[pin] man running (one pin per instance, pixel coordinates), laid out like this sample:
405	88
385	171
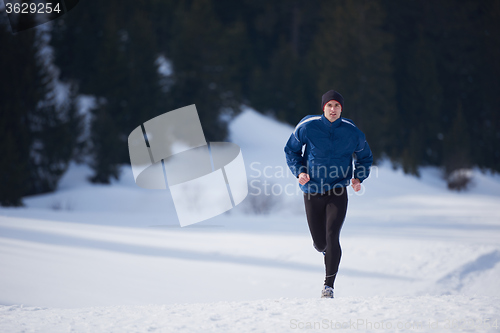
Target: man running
324	171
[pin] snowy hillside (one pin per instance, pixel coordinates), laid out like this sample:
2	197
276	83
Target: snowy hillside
92	258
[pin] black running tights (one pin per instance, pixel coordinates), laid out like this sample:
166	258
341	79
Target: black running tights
325	215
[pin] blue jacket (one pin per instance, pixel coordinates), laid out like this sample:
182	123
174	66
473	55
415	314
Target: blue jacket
329	151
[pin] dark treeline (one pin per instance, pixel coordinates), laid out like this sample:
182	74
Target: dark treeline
420	78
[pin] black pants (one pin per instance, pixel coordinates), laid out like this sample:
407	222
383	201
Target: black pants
325	215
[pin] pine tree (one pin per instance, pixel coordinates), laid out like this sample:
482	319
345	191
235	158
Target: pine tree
420	104
206	58
55	131
39	135
487	130
457	149
281	81
351	54
18	98
109	49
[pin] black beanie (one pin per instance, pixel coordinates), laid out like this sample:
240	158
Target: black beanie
329	95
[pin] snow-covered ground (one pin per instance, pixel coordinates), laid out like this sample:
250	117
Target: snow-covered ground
92	258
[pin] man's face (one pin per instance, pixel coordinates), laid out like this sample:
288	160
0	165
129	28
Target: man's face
332	110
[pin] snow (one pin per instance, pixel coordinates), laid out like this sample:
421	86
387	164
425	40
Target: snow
371	314
95	258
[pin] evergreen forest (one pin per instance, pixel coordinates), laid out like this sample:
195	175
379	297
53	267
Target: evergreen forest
420	78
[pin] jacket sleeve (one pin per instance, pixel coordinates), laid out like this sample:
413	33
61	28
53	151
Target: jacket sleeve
293	152
364	159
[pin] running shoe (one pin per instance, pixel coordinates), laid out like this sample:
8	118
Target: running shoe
327	292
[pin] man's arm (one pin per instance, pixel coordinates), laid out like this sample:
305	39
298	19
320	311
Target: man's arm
293	152
363	161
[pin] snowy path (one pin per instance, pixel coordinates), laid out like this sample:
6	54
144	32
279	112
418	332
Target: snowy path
92	258
368	314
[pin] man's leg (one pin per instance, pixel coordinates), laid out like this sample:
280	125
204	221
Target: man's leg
315	205
336	209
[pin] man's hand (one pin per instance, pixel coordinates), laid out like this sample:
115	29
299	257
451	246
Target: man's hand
304	178
356	184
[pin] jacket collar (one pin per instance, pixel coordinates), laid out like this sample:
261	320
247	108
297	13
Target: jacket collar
327	122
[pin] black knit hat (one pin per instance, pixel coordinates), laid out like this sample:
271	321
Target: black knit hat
332	95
